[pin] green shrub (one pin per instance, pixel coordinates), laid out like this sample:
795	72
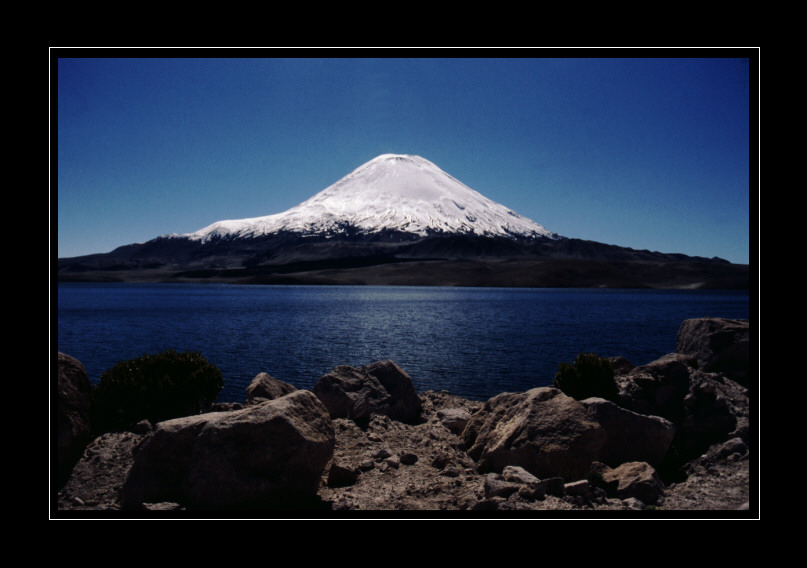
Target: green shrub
155	387
588	376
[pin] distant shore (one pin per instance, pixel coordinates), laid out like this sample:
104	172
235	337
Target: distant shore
516	273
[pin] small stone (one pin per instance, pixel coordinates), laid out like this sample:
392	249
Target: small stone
440	462
408	458
366	465
495	486
393	461
381	454
518	474
578	488
455	419
163	506
555	486
142	427
341	476
633	503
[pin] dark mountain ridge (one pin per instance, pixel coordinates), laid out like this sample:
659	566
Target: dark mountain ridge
390	257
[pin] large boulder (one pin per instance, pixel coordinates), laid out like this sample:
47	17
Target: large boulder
720	345
657	388
265	387
379	388
264	456
713	412
542	430
706	408
630	436
73	390
96	479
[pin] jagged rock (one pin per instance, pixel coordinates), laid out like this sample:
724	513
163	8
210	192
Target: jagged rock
555	486
630	436
542	430
72	414
265	387
520	475
341	476
96	479
734	448
580	488
634	504
720	345
408	458
657	388
496	486
266	455
706	408
142	427
455	419
530	487
637	480
621	365
708	417
379	388
225	406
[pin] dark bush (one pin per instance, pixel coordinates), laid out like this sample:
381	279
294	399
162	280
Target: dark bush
588	376
155	387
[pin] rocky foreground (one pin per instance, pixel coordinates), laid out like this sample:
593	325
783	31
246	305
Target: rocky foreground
678	441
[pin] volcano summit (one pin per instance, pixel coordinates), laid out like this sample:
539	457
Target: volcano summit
393	192
397	219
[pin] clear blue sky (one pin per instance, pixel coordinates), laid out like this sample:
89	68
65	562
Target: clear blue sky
647	153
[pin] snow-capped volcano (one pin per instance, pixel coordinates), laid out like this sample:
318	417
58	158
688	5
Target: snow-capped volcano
392	192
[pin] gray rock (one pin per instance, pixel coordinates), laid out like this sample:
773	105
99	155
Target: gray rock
714	410
542	430
621	365
266	455
530	487
520	475
342	476
142	427
455	419
408	458
630	436
496	486
73	390
720	346
379	388
706	408
392	461
101	471
657	388
555	486
580	488
634	504
265	387
637	480
382	454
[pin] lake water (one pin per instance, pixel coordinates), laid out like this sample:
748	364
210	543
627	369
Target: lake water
473	342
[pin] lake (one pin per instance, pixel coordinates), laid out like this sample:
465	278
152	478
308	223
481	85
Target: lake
473	342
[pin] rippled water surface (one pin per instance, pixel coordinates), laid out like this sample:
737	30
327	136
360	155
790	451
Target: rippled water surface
473	342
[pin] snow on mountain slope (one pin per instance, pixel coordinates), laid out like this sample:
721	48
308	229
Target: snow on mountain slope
390	192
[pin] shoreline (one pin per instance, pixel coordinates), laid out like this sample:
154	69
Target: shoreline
508	272
383	447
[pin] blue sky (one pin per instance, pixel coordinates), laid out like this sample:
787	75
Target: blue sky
649	153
